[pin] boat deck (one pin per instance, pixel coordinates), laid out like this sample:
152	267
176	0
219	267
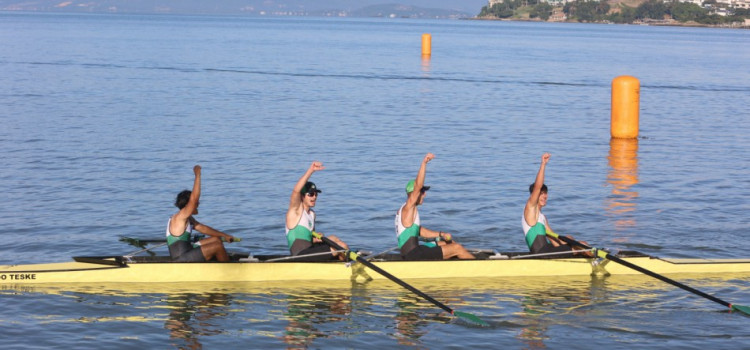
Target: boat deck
248	268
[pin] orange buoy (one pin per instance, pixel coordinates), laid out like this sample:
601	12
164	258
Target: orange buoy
626	95
426	44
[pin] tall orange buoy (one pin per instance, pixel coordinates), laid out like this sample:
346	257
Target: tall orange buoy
626	91
426	45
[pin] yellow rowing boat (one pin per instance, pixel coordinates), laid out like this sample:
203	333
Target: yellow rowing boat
245	268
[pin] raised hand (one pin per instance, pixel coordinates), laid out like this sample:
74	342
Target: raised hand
316	166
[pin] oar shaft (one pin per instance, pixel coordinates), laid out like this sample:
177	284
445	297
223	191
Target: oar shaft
665	279
355	256
603	254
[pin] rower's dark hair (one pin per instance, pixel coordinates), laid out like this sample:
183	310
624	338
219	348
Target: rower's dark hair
182	199
531	188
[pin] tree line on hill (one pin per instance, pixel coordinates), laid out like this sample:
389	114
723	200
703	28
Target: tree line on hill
602	11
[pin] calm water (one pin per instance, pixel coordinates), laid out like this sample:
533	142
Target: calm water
103	118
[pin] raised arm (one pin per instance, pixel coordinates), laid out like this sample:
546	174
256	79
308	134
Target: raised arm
419	181
407	213
294	211
531	210
195	196
296	196
179	220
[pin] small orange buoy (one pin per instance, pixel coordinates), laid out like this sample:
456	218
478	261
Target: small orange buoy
626	95
426	44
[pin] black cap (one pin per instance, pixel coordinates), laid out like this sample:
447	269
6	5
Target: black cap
309	187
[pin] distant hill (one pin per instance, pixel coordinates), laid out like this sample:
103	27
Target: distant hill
360	8
407	11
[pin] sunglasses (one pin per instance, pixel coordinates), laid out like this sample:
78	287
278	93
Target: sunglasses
312	194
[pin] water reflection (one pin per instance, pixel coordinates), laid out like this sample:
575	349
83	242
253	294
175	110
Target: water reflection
409	322
534	332
542	307
535	313
425	66
308	310
190	317
622	175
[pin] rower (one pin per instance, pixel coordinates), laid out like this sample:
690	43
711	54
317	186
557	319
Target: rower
181	225
535	224
300	221
409	229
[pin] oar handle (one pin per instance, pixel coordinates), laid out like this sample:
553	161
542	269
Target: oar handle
447	239
567	239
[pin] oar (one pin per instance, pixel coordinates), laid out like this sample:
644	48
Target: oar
354	256
138	242
142	243
605	255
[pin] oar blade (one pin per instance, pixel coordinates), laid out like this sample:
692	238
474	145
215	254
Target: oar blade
741	308
470	318
133	241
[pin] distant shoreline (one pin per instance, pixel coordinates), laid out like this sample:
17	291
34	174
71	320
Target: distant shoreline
650	23
670	24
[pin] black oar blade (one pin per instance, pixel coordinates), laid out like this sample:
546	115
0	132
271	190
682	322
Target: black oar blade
741	308
133	241
470	318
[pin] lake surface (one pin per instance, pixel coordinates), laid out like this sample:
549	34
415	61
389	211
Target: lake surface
104	116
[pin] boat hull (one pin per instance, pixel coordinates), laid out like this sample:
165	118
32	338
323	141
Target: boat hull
167	272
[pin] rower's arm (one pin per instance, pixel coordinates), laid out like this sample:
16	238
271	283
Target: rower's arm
531	210
427	233
407	213
179	220
419	181
195	195
411	200
552	237
208	230
294	211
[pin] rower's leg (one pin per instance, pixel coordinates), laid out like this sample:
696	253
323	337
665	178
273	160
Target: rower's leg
457	250
213	247
585	252
341	256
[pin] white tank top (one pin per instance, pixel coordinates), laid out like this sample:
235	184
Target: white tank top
526	227
307	219
399	226
188	228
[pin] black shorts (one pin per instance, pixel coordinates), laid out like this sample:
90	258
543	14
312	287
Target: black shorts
423	252
541	246
317	248
183	251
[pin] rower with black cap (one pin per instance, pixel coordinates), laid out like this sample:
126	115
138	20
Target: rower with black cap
409	229
534	222
300	221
